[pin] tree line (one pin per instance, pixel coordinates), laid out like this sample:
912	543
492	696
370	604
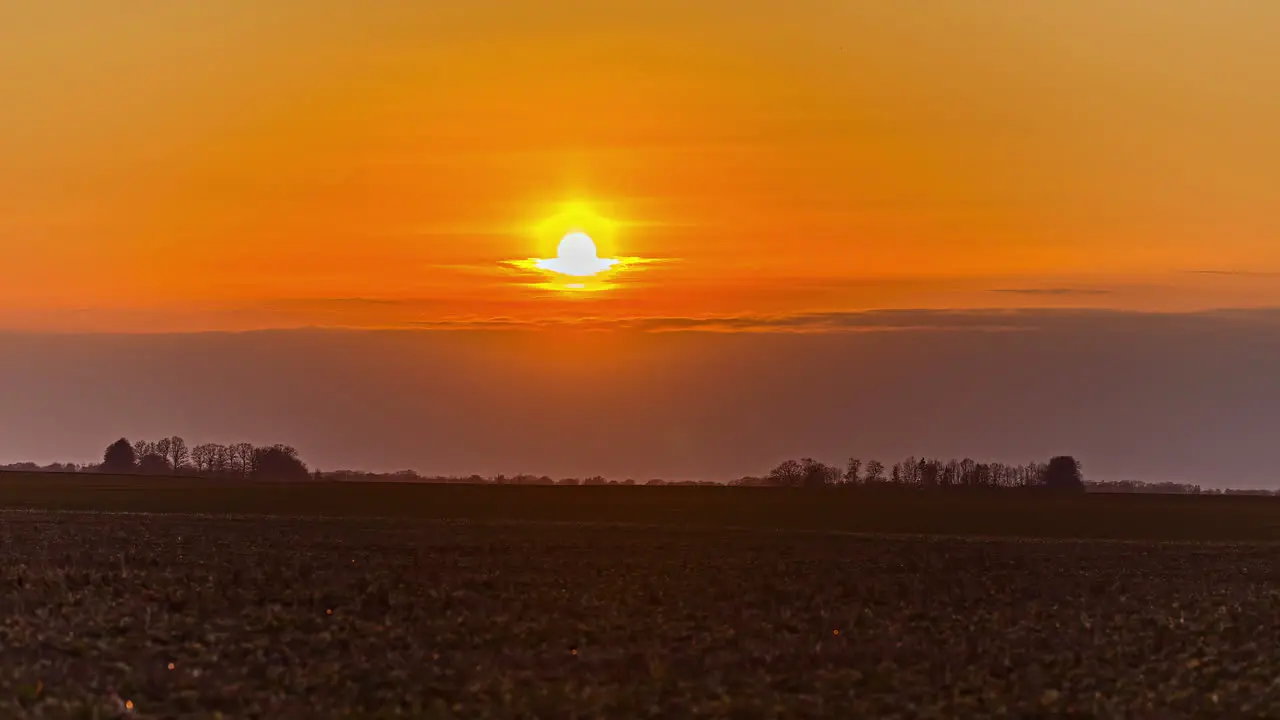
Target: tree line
1062	473
172	456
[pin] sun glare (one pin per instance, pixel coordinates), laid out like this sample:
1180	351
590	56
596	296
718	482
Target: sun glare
577	265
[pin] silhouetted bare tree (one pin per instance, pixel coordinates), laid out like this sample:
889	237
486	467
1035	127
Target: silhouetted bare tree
222	461
875	472
203	458
815	474
178	453
161	448
241	455
789	473
851	470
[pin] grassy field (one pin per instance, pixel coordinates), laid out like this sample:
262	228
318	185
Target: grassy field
1000	514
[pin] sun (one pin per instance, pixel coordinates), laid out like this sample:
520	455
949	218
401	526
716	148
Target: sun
577	256
581	236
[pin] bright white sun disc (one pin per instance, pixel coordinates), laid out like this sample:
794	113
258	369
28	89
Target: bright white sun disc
577	256
577	246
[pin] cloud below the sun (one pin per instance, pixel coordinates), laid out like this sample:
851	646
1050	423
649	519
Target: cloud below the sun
905	320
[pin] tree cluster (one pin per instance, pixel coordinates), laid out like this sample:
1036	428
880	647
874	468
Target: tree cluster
1062	473
172	456
1149	488
30	467
1139	487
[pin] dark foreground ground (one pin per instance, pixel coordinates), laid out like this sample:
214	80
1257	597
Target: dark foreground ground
1001	513
282	618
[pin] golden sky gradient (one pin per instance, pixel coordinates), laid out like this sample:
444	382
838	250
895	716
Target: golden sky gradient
243	164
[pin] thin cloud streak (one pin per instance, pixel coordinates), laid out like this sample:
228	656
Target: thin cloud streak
920	320
1053	291
1235	273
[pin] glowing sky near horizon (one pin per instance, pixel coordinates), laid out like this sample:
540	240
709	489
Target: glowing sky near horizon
238	164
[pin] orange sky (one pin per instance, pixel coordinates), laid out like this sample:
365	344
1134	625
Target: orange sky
242	164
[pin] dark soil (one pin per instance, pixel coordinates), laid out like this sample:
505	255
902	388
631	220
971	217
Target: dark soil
1007	513
186	616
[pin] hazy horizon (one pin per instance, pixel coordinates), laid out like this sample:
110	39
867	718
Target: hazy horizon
1189	397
